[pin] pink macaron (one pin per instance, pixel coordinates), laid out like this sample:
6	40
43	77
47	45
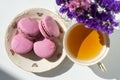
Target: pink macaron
48	27
20	44
44	48
28	26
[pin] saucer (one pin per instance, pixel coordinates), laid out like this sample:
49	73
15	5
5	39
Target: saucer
112	60
30	62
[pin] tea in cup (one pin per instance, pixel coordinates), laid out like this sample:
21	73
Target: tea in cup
85	46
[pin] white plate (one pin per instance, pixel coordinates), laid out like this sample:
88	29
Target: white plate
30	62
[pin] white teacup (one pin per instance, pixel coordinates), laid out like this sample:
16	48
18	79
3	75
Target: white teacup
68	45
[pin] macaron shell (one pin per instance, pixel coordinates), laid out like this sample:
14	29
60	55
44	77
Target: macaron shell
51	26
32	38
20	44
44	48
28	26
42	31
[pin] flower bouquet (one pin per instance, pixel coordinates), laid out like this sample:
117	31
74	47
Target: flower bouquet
95	14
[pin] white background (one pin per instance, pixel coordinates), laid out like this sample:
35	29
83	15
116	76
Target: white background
8	71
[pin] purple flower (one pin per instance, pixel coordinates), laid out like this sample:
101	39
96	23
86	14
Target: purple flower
111	16
96	26
92	23
116	7
59	2
104	16
110	5
79	5
94	6
87	12
94	11
106	28
63	9
71	14
110	31
72	5
82	18
89	23
113	23
85	4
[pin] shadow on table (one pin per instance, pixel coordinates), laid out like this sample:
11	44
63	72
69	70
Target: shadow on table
112	61
6	76
62	68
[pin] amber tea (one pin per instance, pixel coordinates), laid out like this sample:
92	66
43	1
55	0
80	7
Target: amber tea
84	43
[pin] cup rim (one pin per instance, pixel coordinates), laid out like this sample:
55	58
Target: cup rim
93	61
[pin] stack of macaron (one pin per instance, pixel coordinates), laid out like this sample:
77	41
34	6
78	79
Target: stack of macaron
36	35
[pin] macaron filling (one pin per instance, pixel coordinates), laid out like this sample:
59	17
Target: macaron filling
44	29
28	36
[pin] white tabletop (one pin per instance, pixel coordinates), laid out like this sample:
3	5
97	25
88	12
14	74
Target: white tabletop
67	70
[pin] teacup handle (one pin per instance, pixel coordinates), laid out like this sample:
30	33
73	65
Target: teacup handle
101	66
